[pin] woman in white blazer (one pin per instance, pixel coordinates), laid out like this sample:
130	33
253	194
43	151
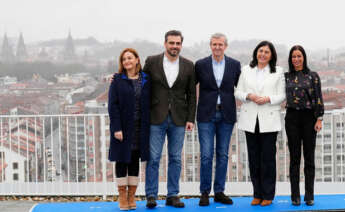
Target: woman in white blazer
261	88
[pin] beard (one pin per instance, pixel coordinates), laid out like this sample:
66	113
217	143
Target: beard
173	52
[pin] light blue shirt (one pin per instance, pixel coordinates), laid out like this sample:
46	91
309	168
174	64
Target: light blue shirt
218	72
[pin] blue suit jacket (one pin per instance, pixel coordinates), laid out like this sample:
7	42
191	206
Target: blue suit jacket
209	91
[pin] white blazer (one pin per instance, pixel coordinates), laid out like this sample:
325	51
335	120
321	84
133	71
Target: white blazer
269	113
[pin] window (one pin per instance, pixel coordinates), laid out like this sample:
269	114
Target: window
233	148
327	136
327	125
328	179
327	147
15	165
327	158
340	146
15	177
327	170
340	157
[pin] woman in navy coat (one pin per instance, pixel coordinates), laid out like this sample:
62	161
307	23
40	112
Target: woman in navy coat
129	113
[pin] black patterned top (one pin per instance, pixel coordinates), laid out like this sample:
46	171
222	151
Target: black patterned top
137	111
303	91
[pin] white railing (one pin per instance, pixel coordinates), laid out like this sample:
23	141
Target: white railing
67	155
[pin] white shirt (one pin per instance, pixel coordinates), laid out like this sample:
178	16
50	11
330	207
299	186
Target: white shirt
260	76
171	70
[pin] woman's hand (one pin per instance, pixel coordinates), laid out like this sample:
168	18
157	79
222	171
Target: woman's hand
252	97
118	135
262	100
318	125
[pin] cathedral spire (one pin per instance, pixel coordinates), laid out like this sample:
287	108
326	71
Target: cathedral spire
21	53
7	51
69	53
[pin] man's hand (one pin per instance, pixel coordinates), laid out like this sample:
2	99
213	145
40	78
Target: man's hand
189	126
118	135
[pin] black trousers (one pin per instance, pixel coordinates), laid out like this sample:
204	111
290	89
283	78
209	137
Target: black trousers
262	162
299	125
130	169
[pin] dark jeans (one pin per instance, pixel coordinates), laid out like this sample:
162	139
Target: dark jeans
299	125
218	128
132	168
262	162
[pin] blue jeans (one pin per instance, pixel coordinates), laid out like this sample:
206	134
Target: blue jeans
175	136
207	130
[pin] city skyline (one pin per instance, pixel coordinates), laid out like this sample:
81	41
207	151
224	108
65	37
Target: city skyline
314	26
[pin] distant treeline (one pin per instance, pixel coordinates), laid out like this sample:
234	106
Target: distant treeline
46	70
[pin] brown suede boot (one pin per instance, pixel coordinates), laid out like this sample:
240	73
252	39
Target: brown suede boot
123	203
132	188
131	197
123	193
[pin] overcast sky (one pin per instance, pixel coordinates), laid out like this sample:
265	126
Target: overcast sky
312	23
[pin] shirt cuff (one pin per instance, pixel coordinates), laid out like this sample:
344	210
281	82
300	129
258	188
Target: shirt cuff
273	100
245	97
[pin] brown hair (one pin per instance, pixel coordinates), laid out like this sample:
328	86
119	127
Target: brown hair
135	53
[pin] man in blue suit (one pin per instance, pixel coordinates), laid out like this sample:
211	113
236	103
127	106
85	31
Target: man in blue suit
217	76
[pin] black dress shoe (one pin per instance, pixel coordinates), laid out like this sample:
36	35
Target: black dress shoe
309	202
296	202
222	198
151	202
175	202
204	201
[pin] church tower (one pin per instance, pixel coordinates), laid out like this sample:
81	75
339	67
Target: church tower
69	52
21	53
7	55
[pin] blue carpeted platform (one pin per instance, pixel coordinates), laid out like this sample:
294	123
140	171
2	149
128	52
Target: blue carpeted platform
280	203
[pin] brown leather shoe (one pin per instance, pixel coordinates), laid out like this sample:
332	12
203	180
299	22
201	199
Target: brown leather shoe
266	202
256	201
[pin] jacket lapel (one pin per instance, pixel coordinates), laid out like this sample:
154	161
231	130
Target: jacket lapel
227	72
211	72
180	71
161	70
252	79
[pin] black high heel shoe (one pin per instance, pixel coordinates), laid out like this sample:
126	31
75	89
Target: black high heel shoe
309	202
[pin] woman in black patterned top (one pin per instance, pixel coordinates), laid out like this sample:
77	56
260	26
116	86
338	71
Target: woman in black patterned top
303	120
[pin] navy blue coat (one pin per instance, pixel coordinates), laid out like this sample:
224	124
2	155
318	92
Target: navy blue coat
209	91
121	106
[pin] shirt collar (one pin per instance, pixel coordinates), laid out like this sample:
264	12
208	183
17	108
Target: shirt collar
166	60
267	68
215	62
